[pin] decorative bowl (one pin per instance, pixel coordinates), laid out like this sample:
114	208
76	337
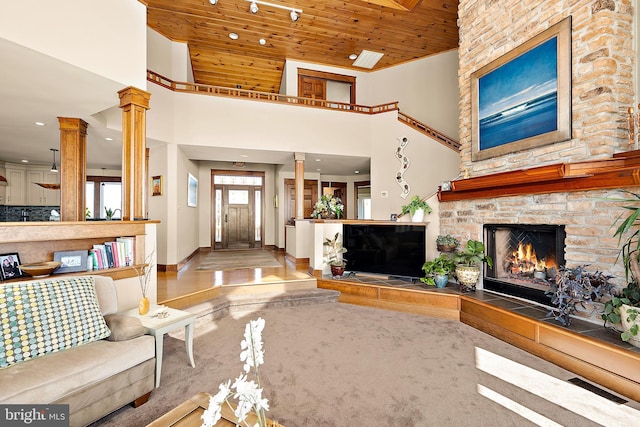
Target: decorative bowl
39	269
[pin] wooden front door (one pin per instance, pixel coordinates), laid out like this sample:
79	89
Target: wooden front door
237	205
237	221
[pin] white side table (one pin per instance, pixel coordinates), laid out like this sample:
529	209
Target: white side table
158	327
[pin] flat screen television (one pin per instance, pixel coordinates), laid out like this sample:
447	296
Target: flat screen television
394	250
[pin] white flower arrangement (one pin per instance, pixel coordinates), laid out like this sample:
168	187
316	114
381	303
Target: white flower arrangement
248	393
329	205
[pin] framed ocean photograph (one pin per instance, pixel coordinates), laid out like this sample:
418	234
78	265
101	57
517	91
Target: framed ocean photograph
522	100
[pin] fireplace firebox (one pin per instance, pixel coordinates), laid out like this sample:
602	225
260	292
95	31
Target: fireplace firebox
526	258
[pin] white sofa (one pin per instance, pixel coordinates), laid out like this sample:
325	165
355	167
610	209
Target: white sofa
93	378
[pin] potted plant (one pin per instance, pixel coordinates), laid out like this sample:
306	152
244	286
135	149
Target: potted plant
624	309
328	207
417	208
576	286
468	263
333	252
446	243
437	271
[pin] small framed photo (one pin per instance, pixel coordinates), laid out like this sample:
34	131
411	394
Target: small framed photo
156	185
9	269
71	261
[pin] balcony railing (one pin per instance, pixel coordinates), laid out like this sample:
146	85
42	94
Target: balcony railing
266	96
435	134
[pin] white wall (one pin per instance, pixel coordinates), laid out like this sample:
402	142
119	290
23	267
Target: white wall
430	164
107	38
427	90
168	58
188	231
159	207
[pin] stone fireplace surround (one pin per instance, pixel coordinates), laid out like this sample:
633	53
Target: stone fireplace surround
564	183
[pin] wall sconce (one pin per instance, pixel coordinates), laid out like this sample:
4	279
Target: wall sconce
632	124
54	167
275	201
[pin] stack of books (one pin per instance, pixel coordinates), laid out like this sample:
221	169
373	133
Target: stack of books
112	254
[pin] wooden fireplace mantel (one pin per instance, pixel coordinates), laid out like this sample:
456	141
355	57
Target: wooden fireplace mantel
623	170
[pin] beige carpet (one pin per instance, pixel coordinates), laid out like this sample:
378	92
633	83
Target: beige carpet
343	365
234	260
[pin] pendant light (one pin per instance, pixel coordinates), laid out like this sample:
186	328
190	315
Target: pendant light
54	168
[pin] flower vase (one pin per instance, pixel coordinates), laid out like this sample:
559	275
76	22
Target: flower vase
143	306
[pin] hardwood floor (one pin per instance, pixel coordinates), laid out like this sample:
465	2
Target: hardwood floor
190	286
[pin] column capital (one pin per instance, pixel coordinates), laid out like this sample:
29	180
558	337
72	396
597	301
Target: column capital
299	157
73	124
133	95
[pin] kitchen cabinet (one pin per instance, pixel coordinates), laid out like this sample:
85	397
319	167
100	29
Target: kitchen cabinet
15	191
39	196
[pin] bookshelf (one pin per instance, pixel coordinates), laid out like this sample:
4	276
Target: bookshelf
37	241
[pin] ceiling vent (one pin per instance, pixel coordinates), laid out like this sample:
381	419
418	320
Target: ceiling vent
367	59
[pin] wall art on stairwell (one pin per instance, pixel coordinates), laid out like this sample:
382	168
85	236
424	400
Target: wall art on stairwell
192	191
404	165
522	100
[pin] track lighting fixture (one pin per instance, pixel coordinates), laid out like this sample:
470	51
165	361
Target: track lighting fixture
213	2
294	16
294	13
54	168
253	8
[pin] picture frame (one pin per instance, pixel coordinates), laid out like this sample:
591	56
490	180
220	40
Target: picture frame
9	269
71	261
522	100
192	191
156	185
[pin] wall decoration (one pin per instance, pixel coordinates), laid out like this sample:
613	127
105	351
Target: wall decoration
71	261
9	266
156	185
192	191
522	100
404	165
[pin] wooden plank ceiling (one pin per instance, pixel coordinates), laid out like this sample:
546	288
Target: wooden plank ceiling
327	32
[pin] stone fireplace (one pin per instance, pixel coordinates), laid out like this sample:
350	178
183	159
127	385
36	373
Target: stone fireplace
557	192
525	257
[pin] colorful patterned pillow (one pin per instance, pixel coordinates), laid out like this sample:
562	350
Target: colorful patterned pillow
46	316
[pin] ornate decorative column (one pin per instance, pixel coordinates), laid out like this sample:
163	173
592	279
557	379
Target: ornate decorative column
134	103
73	168
299	180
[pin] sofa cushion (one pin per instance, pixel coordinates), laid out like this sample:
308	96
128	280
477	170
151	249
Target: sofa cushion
51	377
123	327
106	293
40	317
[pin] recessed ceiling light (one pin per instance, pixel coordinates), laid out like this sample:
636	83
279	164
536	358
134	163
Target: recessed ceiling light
353	56
233	36
318	160
318	169
263	42
109	139
24	161
244	156
39	124
356	171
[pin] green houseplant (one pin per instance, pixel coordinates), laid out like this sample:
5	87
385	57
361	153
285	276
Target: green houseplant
333	253
624	307
437	271
468	262
447	243
417	208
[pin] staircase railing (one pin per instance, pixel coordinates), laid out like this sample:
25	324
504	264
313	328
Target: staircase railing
266	96
429	131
